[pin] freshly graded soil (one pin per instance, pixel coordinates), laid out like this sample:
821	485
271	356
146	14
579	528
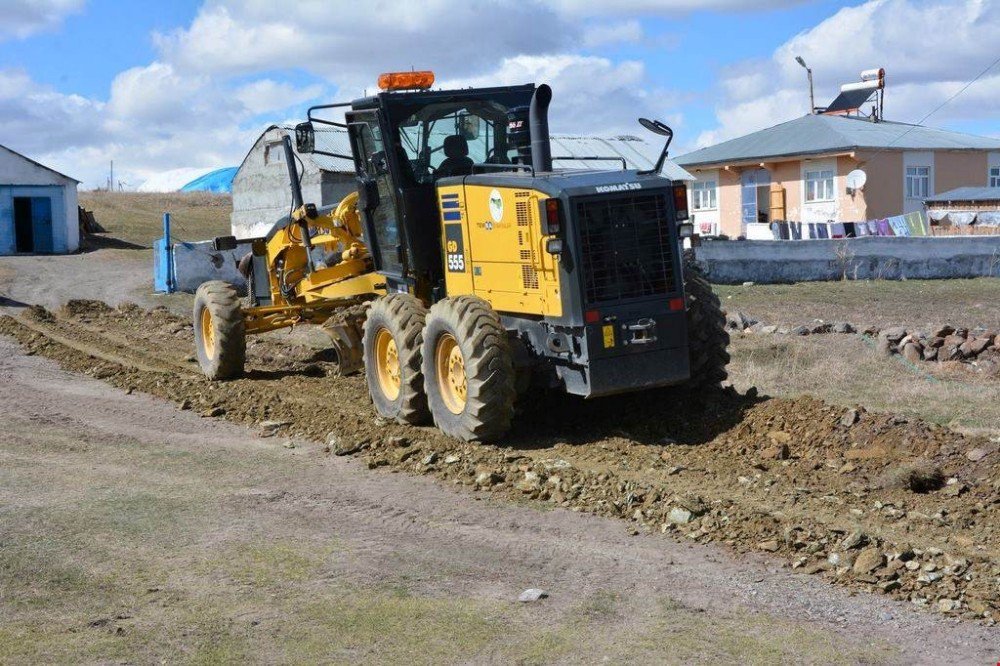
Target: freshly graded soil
872	501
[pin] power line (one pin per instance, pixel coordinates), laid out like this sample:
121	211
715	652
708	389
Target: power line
946	102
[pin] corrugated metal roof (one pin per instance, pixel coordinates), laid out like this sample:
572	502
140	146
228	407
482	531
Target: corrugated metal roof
968	194
638	153
818	134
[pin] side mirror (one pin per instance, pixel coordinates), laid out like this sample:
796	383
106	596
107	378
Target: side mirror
305	138
224	243
468	126
656	127
368	198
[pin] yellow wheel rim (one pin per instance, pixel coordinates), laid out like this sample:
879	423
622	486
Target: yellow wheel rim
387	364
450	366
207	333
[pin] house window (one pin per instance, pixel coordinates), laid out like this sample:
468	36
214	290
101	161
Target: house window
995	176
274	153
819	185
918	182
703	195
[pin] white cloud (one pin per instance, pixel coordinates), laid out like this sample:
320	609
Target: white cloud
21	18
921	72
664	7
351	42
590	94
268	95
155	119
610	33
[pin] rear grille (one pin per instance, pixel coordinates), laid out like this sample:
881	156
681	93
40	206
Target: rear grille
625	247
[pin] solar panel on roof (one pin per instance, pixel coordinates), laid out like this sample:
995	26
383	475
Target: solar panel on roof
849	100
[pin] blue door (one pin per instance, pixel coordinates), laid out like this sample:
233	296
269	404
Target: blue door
41	223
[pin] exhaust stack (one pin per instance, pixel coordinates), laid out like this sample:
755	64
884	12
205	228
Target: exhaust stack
538	122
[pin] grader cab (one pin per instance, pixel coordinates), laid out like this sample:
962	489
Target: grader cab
465	268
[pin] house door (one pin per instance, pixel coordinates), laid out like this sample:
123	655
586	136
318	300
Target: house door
33	224
754	185
24	237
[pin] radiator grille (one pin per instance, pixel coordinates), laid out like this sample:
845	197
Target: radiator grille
625	247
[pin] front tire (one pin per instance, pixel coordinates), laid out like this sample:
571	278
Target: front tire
468	369
707	336
392	339
219	332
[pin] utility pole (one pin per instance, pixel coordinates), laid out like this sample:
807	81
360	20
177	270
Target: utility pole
809	73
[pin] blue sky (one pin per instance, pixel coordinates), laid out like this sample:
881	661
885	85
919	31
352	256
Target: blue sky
187	83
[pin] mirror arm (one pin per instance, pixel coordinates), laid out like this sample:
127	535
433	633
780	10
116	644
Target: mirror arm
663	155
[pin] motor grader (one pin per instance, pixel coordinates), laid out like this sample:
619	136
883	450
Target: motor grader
465	268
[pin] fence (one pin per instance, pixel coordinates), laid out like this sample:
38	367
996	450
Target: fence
872	258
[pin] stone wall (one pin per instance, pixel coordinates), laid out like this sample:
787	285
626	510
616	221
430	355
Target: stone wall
771	262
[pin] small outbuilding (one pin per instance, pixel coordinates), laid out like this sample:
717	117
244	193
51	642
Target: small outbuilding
261	193
38	207
966	210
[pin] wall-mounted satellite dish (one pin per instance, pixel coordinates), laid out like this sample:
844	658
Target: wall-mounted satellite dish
856	179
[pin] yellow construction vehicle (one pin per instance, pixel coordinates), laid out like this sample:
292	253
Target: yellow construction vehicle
465	268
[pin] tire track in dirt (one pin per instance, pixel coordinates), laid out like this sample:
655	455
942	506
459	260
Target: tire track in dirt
872	501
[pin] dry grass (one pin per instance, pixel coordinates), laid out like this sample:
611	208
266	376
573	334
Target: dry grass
846	370
138	217
918	303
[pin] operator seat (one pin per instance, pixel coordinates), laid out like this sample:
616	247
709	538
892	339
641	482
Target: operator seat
457	161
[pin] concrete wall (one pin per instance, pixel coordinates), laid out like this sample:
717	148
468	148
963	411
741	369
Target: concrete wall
261	193
770	262
960	169
883	190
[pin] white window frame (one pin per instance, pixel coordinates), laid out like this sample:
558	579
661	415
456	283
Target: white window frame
705	195
917	185
824	182
993	176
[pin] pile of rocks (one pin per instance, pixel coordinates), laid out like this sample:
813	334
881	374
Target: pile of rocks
742	322
947	343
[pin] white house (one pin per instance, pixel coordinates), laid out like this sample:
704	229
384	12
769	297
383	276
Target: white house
38	207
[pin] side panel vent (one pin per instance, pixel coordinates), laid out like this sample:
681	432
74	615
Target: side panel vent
529	276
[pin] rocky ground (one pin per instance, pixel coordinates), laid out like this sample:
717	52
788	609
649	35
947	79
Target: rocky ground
870	501
976	349
134	532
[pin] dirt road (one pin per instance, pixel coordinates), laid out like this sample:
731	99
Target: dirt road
133	531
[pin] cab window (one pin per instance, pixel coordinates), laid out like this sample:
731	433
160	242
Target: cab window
442	140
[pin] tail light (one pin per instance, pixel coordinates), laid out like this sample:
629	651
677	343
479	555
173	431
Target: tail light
553	217
680	201
592	316
676	304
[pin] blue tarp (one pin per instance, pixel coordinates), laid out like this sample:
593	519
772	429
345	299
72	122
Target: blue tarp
220	181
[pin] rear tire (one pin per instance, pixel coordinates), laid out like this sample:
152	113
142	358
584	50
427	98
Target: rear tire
393	334
707	336
468	369
219	332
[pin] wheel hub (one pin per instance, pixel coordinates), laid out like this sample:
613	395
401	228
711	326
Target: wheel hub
207	333
452	381
387	364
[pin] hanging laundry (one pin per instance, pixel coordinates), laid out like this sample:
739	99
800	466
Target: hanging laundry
883	227
898	225
837	230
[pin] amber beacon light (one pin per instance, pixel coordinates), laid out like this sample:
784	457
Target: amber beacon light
406	80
